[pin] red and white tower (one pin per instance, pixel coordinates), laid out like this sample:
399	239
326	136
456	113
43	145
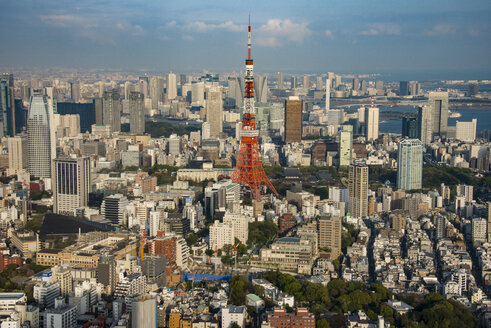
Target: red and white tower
249	170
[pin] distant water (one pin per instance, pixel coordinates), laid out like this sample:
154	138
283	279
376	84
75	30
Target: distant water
483	117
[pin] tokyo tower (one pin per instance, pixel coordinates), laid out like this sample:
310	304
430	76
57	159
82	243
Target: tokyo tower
249	170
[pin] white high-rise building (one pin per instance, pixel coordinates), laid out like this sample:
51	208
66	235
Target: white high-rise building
240	222
410	164
198	94
214	110
71	184
171	86
221	234
466	131
261	89
39	137
335	117
345	145
233	314
328	94
205	131
372	122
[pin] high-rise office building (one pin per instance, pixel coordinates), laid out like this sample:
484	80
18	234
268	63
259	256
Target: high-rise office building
319	83
293	82
293	119
372	123
156	89
99	112
280	80
335	117
358	190
328	94
112	110
473	89
356	84
410	128
7	105
144	313
137	113
425	124
261	89
306	82
17	147
171	86
410	164
71	185
345	145
330	234
404	88
214	110
39	137
198	94
438	102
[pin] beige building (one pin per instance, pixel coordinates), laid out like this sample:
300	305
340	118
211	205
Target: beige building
330	235
221	234
17	147
214	110
358	190
288	253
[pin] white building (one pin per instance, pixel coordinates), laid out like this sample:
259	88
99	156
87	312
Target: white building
479	232
231	314
410	164
240	222
221	234
466	131
372	123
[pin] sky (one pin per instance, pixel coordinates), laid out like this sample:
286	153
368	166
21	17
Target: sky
398	37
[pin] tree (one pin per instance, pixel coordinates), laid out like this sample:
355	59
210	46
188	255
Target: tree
227	249
242	249
209	252
322	323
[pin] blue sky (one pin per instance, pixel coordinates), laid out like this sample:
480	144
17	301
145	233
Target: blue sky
292	36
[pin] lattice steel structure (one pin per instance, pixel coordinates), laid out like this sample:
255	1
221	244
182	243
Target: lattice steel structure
249	170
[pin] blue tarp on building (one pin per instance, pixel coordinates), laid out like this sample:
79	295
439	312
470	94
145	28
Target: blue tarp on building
197	277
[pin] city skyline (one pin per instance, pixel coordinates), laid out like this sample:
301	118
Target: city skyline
356	37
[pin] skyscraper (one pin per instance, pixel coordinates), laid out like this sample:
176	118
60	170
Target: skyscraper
156	90
17	147
293	82
425	124
214	110
137	113
112	208
410	164
72	184
410	127
404	88
7	105
99	113
293	119
112	110
39	137
261	89
280	80
358	190
372	122
198	94
438	102
328	94
345	145
306	82
171	86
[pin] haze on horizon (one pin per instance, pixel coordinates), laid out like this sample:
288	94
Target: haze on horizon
316	36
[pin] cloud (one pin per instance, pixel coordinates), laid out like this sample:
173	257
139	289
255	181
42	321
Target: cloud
135	30
65	20
276	31
441	29
187	37
203	27
171	24
329	34
382	29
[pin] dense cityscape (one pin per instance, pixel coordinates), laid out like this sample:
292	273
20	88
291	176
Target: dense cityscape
243	199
